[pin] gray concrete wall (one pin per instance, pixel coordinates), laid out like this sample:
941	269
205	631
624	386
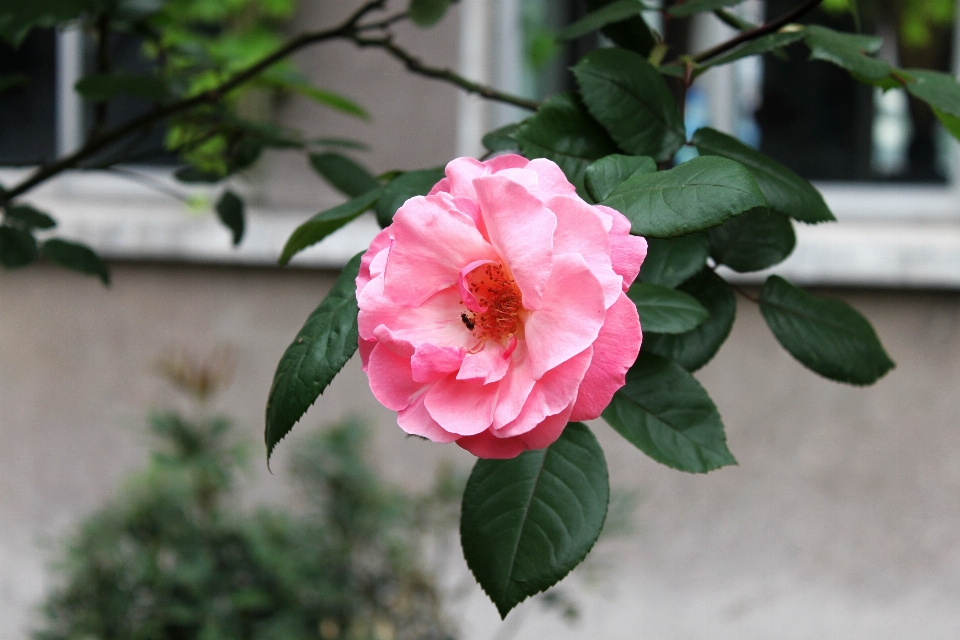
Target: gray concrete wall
842	520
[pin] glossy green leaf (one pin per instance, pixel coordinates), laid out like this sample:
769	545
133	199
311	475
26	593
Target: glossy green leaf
665	310
18	248
426	13
616	11
671	261
629	97
763	44
563	131
785	191
12	80
632	33
402	188
847	51
686	8
326	222
325	343
105	86
752	242
502	139
330	99
76	257
665	413
230	211
696	348
693	196
940	90
606	174
528	521
29	217
346	175
828	336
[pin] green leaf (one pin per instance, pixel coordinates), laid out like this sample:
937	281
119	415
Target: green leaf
949	122
633	33
606	174
846	50
693	196
230	212
195	175
752	242
665	413
671	261
343	143
17	18
402	188
563	131
664	310
940	90
426	13
330	99
502	139
785	191
528	521
696	348
828	336
105	86
346	175
326	222
687	8
763	44
18	248
76	257
29	217
325	343
629	97
12	80
616	11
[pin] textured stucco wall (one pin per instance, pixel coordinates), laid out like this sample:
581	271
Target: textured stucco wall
842	520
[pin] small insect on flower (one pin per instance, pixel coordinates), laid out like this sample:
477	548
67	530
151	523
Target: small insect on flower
467	321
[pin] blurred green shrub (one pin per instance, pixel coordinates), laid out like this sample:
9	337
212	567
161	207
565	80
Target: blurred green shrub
174	557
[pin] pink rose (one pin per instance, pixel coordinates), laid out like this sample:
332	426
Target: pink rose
493	312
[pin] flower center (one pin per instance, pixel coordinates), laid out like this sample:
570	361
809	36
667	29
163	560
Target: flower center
494	289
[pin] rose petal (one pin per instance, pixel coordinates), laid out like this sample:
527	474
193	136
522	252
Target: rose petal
486	445
551	394
614	352
437	321
464	407
391	379
506	161
466	296
460	174
489	364
416	420
570	317
580	230
430	363
521	229
627	252
377	246
547	432
552	180
433	241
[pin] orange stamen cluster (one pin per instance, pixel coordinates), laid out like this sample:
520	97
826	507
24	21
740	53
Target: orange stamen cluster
496	291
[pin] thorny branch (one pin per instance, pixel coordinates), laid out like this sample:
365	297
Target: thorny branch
351	29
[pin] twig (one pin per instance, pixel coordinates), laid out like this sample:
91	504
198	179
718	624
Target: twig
103	66
752	298
414	65
150	182
762	30
350	30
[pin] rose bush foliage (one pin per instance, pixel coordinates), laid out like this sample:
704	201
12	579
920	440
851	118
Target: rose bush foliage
493	311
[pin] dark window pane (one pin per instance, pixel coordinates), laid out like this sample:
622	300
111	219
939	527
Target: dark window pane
824	125
27	115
